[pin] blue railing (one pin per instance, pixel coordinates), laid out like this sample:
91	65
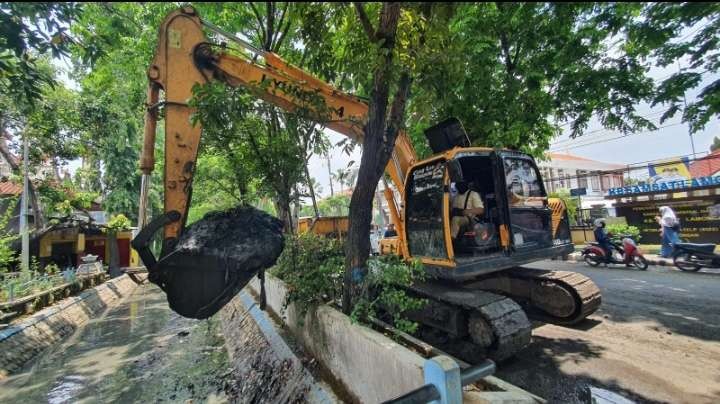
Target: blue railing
444	381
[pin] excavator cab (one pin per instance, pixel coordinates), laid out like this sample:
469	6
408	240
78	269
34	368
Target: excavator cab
518	223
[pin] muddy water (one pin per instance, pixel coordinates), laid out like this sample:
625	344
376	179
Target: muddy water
139	351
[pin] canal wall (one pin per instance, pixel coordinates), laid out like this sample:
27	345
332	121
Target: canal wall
26	338
265	369
365	365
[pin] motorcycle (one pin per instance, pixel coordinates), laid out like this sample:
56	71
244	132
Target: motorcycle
628	253
691	257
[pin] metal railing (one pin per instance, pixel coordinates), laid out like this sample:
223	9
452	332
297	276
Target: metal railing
444	381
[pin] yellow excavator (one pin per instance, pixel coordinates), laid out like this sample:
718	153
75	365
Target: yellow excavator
479	296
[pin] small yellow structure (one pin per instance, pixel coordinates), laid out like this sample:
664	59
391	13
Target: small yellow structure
330	226
65	246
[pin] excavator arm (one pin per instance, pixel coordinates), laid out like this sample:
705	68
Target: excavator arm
183	58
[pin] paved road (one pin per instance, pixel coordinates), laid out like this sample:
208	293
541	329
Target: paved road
139	351
656	338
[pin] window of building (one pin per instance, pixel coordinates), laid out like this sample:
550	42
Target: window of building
605	183
582	178
561	177
595	182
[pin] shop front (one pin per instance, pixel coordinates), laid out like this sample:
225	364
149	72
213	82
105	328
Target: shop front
690	189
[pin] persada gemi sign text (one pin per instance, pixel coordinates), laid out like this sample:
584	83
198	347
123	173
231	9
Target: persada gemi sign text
665	186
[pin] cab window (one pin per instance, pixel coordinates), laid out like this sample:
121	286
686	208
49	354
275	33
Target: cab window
523	184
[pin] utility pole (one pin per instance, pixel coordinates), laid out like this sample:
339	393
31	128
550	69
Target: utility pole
692	142
332	193
24	234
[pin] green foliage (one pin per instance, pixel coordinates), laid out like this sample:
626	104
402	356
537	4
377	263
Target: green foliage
63	199
337	205
385	294
312	268
571	202
29	30
7	235
659	35
265	149
620	231
118	223
510	70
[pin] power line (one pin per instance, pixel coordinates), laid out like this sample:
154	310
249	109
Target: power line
603	129
614	138
628	169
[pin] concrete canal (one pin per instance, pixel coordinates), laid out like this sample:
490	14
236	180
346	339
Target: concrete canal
138	351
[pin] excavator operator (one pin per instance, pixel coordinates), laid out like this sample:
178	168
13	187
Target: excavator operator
466	207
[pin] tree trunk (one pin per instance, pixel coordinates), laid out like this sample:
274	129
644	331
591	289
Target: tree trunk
282	206
380	133
114	259
330	175
311	187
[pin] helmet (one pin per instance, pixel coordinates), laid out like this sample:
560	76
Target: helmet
599	222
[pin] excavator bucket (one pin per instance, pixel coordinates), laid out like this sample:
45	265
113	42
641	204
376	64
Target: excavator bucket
213	259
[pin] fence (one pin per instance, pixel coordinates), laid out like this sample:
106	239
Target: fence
444	381
16	285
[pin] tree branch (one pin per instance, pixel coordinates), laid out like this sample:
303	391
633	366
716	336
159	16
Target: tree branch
396	116
270	11
281	32
284	34
365	21
261	25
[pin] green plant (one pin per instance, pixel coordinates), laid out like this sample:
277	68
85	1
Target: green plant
52	269
7	236
118	223
619	231
312	267
385	295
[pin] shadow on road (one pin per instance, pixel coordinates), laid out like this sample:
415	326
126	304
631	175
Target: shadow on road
539	369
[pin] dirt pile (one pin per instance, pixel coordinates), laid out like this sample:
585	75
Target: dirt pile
217	256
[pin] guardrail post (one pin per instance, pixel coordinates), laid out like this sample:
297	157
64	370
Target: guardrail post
444	373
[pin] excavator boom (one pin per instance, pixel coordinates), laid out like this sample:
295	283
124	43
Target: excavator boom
184	58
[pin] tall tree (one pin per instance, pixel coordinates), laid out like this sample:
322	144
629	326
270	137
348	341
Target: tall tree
380	133
516	74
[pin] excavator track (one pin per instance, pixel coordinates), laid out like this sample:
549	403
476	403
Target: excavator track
471	324
558	297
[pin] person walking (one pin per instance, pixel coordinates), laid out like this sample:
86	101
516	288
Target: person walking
669	228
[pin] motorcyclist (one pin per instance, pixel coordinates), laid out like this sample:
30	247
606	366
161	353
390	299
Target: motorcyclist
602	238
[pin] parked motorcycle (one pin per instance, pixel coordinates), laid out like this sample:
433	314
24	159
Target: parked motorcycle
691	257
628	253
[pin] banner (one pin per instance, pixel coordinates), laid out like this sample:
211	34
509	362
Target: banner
699	218
668	171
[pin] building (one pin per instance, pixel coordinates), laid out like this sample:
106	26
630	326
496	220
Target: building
567	171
